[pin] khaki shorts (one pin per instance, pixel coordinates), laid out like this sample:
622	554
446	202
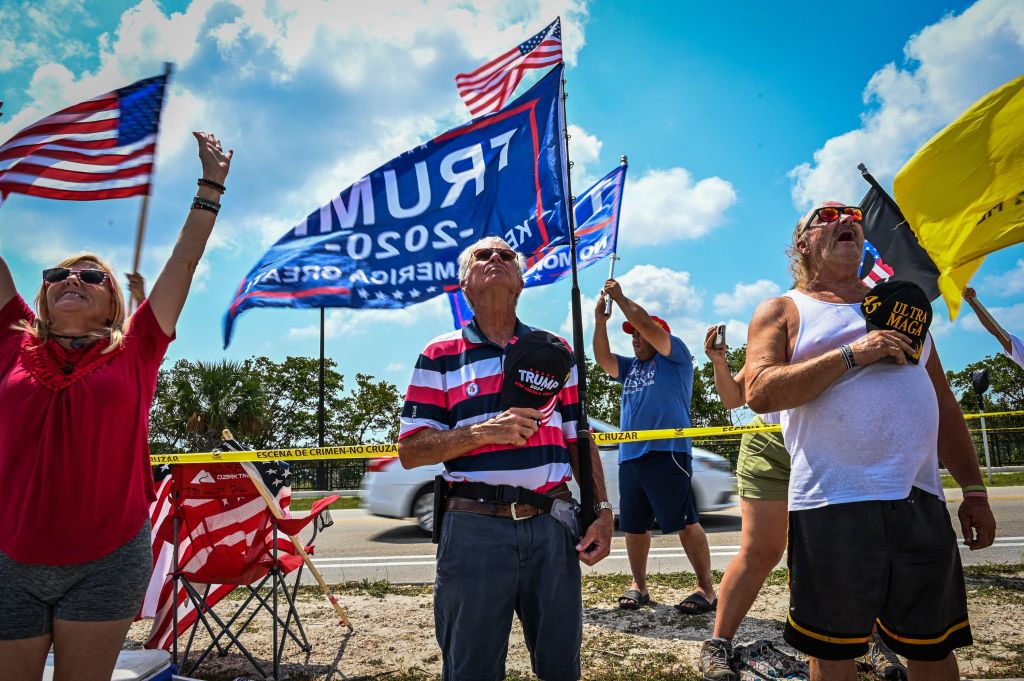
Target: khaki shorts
762	470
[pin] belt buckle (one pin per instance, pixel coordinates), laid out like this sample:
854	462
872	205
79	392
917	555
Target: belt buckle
512	510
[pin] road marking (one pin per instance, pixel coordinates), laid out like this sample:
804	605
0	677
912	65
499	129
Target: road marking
616	554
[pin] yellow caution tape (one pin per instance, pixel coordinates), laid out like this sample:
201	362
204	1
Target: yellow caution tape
391	450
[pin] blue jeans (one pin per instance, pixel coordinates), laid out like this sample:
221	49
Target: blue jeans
489	568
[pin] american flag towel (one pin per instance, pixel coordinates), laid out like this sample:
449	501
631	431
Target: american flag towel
102	148
487	89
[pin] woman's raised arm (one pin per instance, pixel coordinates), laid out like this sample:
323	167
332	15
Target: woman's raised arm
171	288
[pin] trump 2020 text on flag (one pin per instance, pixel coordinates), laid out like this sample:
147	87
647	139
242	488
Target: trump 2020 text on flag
102	148
597	228
963	191
392	239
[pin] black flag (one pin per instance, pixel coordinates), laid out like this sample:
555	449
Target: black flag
890	244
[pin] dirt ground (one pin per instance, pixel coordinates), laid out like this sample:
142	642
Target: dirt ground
394	632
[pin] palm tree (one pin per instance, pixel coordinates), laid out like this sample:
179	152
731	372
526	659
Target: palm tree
211	396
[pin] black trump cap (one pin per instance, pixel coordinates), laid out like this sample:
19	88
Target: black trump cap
899	306
537	367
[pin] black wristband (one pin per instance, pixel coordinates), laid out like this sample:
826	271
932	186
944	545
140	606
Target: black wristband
203	182
205	204
847	353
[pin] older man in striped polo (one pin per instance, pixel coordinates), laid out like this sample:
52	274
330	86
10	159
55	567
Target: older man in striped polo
496	557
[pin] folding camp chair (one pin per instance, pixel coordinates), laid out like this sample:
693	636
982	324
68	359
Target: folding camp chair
231	537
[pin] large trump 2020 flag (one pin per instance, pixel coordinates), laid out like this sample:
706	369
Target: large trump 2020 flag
392	239
597	230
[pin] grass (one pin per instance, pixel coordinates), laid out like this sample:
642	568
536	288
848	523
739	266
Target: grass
998	480
306	503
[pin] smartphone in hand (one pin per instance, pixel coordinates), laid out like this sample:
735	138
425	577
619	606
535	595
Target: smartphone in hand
719	341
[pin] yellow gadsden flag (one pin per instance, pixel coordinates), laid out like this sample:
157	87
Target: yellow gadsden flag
963	191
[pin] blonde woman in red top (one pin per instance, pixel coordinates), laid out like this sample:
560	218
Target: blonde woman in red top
77	378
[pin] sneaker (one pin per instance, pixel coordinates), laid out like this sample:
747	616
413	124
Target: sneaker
762	660
884	661
715	661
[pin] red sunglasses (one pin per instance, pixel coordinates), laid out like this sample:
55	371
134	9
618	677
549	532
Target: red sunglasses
827	214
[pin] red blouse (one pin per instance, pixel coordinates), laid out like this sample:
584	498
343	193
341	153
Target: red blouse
75	479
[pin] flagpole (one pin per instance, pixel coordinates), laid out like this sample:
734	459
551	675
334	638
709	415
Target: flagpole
140	230
615	251
320	412
586	470
869	178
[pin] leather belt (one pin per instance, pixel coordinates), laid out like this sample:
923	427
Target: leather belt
497	510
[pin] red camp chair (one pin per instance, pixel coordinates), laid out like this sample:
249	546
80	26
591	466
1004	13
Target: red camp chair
224	533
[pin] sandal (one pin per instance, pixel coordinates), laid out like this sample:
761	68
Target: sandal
696	604
633	599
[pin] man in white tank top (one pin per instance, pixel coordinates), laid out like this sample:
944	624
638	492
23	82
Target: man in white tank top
870	538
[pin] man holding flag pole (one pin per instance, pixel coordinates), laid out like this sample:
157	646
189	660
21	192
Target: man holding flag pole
503	407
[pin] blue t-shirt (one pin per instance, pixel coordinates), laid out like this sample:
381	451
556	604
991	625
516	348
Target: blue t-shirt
656	394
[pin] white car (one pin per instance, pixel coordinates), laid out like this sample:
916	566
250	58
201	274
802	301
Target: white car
388	489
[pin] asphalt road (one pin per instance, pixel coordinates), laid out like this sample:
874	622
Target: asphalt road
362	546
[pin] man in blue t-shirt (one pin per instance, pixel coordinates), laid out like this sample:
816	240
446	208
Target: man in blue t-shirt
654	475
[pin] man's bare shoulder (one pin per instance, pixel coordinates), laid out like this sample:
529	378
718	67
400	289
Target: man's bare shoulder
773	310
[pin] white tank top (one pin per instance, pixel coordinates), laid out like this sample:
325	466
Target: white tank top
871	435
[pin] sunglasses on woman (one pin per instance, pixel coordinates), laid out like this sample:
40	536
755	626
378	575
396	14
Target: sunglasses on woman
827	214
484	254
55	275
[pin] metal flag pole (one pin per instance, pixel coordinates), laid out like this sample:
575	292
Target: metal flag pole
586	470
611	266
320	412
140	229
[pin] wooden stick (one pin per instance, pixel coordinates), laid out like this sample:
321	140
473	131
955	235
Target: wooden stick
140	232
257	481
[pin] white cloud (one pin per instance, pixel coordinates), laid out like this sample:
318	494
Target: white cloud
1010	318
745	296
584	150
395	367
345	323
666	205
1008	283
663	292
949	65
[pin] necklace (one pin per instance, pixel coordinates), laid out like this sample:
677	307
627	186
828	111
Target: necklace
77	342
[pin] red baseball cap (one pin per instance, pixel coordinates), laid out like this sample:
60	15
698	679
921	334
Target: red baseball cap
628	328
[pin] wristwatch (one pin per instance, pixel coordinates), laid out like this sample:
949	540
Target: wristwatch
598	507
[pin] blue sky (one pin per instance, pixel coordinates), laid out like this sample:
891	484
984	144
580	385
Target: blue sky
735	117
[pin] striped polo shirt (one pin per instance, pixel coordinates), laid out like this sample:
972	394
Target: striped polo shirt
457	382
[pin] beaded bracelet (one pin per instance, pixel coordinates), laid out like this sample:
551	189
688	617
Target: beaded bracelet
204	204
203	182
847	352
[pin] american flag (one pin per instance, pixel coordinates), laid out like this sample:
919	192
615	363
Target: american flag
879	271
488	88
227	520
99	149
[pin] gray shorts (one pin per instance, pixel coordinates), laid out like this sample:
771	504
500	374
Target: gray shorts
102	590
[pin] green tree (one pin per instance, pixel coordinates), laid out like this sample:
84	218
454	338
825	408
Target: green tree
604	396
1007	380
271	405
195	401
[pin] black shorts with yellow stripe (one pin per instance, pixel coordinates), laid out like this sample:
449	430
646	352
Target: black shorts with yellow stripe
892	562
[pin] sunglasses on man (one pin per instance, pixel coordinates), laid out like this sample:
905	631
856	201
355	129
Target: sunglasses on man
827	214
484	254
56	275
